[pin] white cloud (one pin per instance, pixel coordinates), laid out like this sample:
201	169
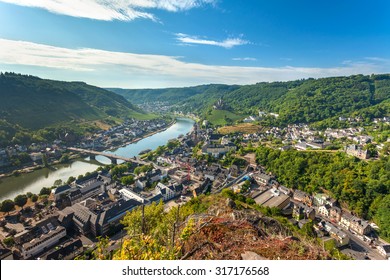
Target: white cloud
244	59
378	59
119	69
227	43
125	10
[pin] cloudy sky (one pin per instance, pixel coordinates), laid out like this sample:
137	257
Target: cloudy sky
167	43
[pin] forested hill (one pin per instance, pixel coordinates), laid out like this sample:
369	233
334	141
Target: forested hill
306	101
172	95
33	103
316	100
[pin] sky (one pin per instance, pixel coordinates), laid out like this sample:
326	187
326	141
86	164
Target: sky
176	43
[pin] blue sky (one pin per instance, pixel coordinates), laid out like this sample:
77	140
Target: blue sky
166	43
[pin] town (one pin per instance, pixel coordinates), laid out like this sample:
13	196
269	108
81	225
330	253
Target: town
22	158
67	220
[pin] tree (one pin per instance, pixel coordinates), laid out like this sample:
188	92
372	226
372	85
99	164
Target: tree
58	182
386	148
127	180
118	169
153	215
137	170
152	232
146	248
45	191
172	144
382	217
34	198
9	241
308	229
20	200
159	150
372	150
245	187
101	252
44	160
70	180
7	205
64	158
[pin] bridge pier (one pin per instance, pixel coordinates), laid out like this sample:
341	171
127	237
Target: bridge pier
114	158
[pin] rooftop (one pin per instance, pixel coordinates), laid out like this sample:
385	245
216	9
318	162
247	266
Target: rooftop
271	198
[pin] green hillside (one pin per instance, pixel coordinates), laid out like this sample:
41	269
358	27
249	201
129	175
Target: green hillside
221	117
316	100
172	95
35	103
308	101
28	103
301	101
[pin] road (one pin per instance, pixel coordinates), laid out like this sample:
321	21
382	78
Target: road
358	249
367	249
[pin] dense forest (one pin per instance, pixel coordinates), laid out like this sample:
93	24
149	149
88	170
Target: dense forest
171	95
28	104
301	101
362	186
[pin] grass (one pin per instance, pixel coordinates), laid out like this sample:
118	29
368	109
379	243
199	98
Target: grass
144	117
222	117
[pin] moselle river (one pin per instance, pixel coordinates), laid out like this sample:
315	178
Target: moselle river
45	177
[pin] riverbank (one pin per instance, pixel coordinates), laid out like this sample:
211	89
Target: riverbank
30	169
76	156
144	136
187	116
79	165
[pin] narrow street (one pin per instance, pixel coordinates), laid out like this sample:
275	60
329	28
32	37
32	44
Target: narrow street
357	249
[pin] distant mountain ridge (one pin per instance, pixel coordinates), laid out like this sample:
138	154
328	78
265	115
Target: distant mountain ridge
300	101
172	95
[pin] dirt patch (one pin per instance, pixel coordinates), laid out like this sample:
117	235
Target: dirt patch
225	233
243	128
102	125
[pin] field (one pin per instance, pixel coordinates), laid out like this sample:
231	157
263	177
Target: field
242	127
144	116
222	117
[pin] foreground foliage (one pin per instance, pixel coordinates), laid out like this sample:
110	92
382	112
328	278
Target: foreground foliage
219	226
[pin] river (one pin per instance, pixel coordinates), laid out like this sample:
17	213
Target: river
45	177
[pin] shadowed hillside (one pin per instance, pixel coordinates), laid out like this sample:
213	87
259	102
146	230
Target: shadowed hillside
35	103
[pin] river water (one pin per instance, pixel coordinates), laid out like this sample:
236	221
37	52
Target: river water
35	181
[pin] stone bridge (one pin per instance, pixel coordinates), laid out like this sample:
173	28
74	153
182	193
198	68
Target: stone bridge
114	158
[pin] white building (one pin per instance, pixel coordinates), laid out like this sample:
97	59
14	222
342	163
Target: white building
38	245
162	160
128	194
345	220
384	250
166	192
141	184
324	210
249	119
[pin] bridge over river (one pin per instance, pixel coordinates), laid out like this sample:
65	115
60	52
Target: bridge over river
112	157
